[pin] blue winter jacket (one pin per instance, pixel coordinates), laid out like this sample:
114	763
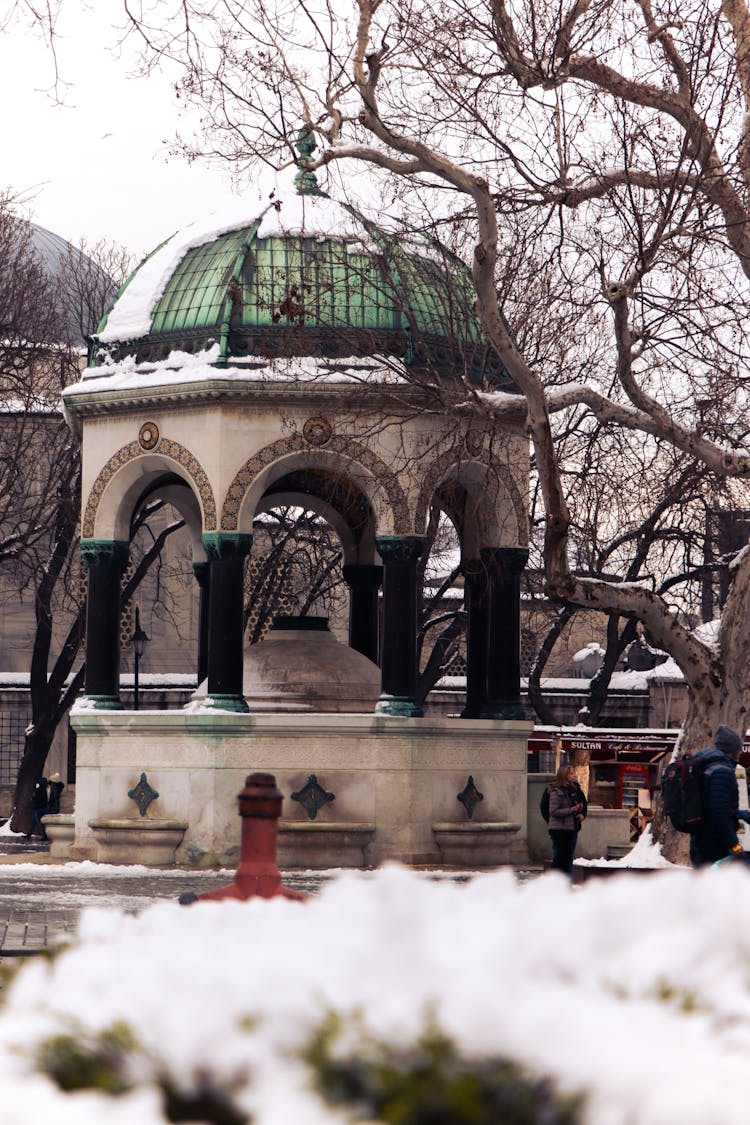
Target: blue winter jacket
720	800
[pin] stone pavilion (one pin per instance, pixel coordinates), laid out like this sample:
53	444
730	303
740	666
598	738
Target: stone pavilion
303	354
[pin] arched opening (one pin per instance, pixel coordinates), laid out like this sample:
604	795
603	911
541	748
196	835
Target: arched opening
314	553
483	514
149	567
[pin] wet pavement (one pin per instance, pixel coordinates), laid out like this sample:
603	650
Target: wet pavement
41	898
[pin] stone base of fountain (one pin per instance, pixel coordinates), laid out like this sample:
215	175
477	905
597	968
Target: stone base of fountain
143	840
61	830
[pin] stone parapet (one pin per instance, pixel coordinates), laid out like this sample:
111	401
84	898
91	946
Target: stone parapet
398	776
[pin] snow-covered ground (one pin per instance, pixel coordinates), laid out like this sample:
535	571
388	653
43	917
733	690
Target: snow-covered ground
634	990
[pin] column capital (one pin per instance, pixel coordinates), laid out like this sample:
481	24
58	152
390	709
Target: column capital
95	551
400	548
220	545
201	572
511	560
362	577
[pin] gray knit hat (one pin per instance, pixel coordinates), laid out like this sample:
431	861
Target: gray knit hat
727	740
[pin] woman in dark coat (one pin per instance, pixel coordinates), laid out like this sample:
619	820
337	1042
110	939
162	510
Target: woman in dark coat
566	807
56	787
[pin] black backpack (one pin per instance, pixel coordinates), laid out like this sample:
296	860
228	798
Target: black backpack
544	804
681	793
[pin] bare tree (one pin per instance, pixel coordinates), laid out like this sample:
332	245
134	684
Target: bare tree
44	319
596	152
295	568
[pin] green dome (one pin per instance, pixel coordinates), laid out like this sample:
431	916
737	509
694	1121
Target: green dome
306	277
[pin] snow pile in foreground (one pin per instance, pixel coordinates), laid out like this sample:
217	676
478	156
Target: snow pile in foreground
636	991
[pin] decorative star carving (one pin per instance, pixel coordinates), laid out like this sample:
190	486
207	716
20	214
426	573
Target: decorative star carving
470	797
143	794
312	796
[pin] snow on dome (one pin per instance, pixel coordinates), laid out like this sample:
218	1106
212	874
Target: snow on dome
130	316
300	275
288	215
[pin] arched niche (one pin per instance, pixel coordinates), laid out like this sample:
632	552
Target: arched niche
481	499
130	474
339	502
176	492
346	462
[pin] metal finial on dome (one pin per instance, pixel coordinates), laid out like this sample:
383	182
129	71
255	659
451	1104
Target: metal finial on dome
306	181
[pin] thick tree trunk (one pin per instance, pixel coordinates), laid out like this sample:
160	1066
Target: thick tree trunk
36	748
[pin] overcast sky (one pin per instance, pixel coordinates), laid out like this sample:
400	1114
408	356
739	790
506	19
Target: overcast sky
99	166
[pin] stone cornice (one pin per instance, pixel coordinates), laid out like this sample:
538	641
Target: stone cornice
103	400
124	400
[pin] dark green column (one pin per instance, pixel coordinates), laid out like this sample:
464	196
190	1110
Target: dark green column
364	583
400	554
226	555
202	572
105	562
477	599
493	641
504	567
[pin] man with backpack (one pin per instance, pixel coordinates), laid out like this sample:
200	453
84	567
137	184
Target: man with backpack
715	837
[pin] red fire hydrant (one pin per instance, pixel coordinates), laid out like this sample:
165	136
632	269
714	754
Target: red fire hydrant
258	874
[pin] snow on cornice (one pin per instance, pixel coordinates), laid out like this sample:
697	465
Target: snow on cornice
181	368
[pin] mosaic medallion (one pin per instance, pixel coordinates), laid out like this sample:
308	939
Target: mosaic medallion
148	435
317	431
474	441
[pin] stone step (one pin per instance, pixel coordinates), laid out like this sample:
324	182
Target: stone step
617	851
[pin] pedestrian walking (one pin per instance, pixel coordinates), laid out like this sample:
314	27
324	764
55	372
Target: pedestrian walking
716	838
565	807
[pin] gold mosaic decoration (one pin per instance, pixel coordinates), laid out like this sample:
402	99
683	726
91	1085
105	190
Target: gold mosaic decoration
474	441
148	435
130	452
317	431
294	443
439	470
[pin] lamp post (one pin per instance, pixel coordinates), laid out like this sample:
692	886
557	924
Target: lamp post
139	641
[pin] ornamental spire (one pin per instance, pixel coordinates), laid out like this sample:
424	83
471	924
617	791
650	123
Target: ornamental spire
306	181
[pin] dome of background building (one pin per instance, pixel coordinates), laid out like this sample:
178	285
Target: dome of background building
77	278
305	276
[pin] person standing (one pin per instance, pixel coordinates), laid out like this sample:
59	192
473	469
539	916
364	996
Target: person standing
56	787
565	808
717	836
40	806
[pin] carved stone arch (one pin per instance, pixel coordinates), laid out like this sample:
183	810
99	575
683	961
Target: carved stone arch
457	459
131	452
346	447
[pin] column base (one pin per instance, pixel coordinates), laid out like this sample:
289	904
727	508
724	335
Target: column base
399	705
496	709
236	703
103	702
